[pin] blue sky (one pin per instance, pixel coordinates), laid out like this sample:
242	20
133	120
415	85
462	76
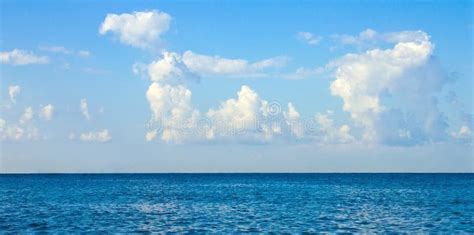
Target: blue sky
207	86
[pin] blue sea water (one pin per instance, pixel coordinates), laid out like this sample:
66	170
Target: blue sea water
237	203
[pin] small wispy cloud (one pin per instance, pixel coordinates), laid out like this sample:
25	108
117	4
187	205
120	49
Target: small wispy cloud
13	92
84	53
22	57
95	71
85	109
27	115
56	49
370	37
100	136
309	38
65	51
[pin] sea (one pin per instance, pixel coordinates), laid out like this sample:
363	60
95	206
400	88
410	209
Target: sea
237	203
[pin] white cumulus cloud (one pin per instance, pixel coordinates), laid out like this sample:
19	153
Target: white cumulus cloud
247	118
139	29
172	111
46	112
250	118
391	93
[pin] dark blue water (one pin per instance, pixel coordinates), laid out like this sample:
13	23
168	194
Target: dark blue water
238	203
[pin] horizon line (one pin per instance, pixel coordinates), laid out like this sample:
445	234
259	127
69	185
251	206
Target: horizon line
249	172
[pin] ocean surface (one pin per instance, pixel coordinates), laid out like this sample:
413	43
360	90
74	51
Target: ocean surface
237	203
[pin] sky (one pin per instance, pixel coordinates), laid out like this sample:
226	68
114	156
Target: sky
236	86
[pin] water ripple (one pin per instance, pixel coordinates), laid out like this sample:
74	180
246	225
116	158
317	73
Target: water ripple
342	203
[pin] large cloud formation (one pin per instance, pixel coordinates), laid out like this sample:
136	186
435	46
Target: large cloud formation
139	29
246	118
391	94
169	99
